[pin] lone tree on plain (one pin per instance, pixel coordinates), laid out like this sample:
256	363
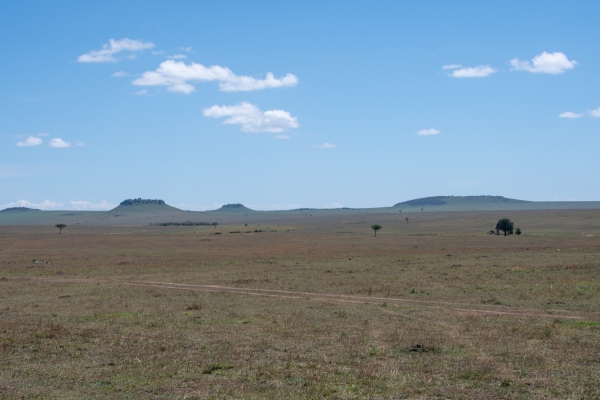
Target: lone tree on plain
60	227
214	224
505	225
407	220
376	228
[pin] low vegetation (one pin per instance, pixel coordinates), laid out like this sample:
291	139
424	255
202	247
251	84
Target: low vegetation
432	309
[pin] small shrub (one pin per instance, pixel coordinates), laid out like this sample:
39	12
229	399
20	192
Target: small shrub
212	368
518	231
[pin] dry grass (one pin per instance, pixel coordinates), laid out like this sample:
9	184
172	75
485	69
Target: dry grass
320	309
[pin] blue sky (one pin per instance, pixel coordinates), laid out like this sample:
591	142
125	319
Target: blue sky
313	104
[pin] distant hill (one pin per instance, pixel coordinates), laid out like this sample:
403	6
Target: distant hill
19	209
234	208
453	200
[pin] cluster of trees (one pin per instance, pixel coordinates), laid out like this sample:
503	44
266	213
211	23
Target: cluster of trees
187	223
507	227
134	202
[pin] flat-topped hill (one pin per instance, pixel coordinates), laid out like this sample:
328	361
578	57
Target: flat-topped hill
140	201
19	209
234	208
143	206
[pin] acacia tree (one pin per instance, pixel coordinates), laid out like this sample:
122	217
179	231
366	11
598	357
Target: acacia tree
376	228
214	224
60	227
505	225
407	220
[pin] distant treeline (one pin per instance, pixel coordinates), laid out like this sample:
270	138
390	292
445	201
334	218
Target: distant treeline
187	223
135	202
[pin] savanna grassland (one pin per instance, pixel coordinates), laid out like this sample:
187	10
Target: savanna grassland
312	308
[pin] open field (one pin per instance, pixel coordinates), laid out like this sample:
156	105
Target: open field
310	307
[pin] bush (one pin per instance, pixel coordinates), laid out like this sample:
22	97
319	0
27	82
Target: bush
518	231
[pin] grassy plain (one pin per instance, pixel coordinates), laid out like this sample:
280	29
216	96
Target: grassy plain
314	307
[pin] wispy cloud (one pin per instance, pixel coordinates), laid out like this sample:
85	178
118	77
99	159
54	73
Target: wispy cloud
87	206
143	92
176	75
428	132
43	134
30	141
58	143
120	74
570	114
252	119
326	145
451	66
178	56
282	137
595	113
480	71
106	54
545	63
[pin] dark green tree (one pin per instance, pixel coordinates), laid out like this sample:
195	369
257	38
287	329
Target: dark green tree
376	228
505	225
60	227
214	224
518	231
407	220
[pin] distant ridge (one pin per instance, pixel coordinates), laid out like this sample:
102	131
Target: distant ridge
140	201
19	209
234	208
442	200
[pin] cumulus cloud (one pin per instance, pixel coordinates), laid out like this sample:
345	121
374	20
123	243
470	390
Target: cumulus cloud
595	113
252	119
87	206
570	114
106	54
451	66
428	132
545	63
45	205
58	143
176	75
30	141
326	145
480	71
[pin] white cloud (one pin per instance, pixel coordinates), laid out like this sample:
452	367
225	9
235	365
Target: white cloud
45	205
326	146
428	132
188	49
595	113
452	66
143	92
480	71
113	47
30	141
273	207
175	75
59	143
570	114
43	134
546	63
252	119
87	206
178	56
120	74
282	137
